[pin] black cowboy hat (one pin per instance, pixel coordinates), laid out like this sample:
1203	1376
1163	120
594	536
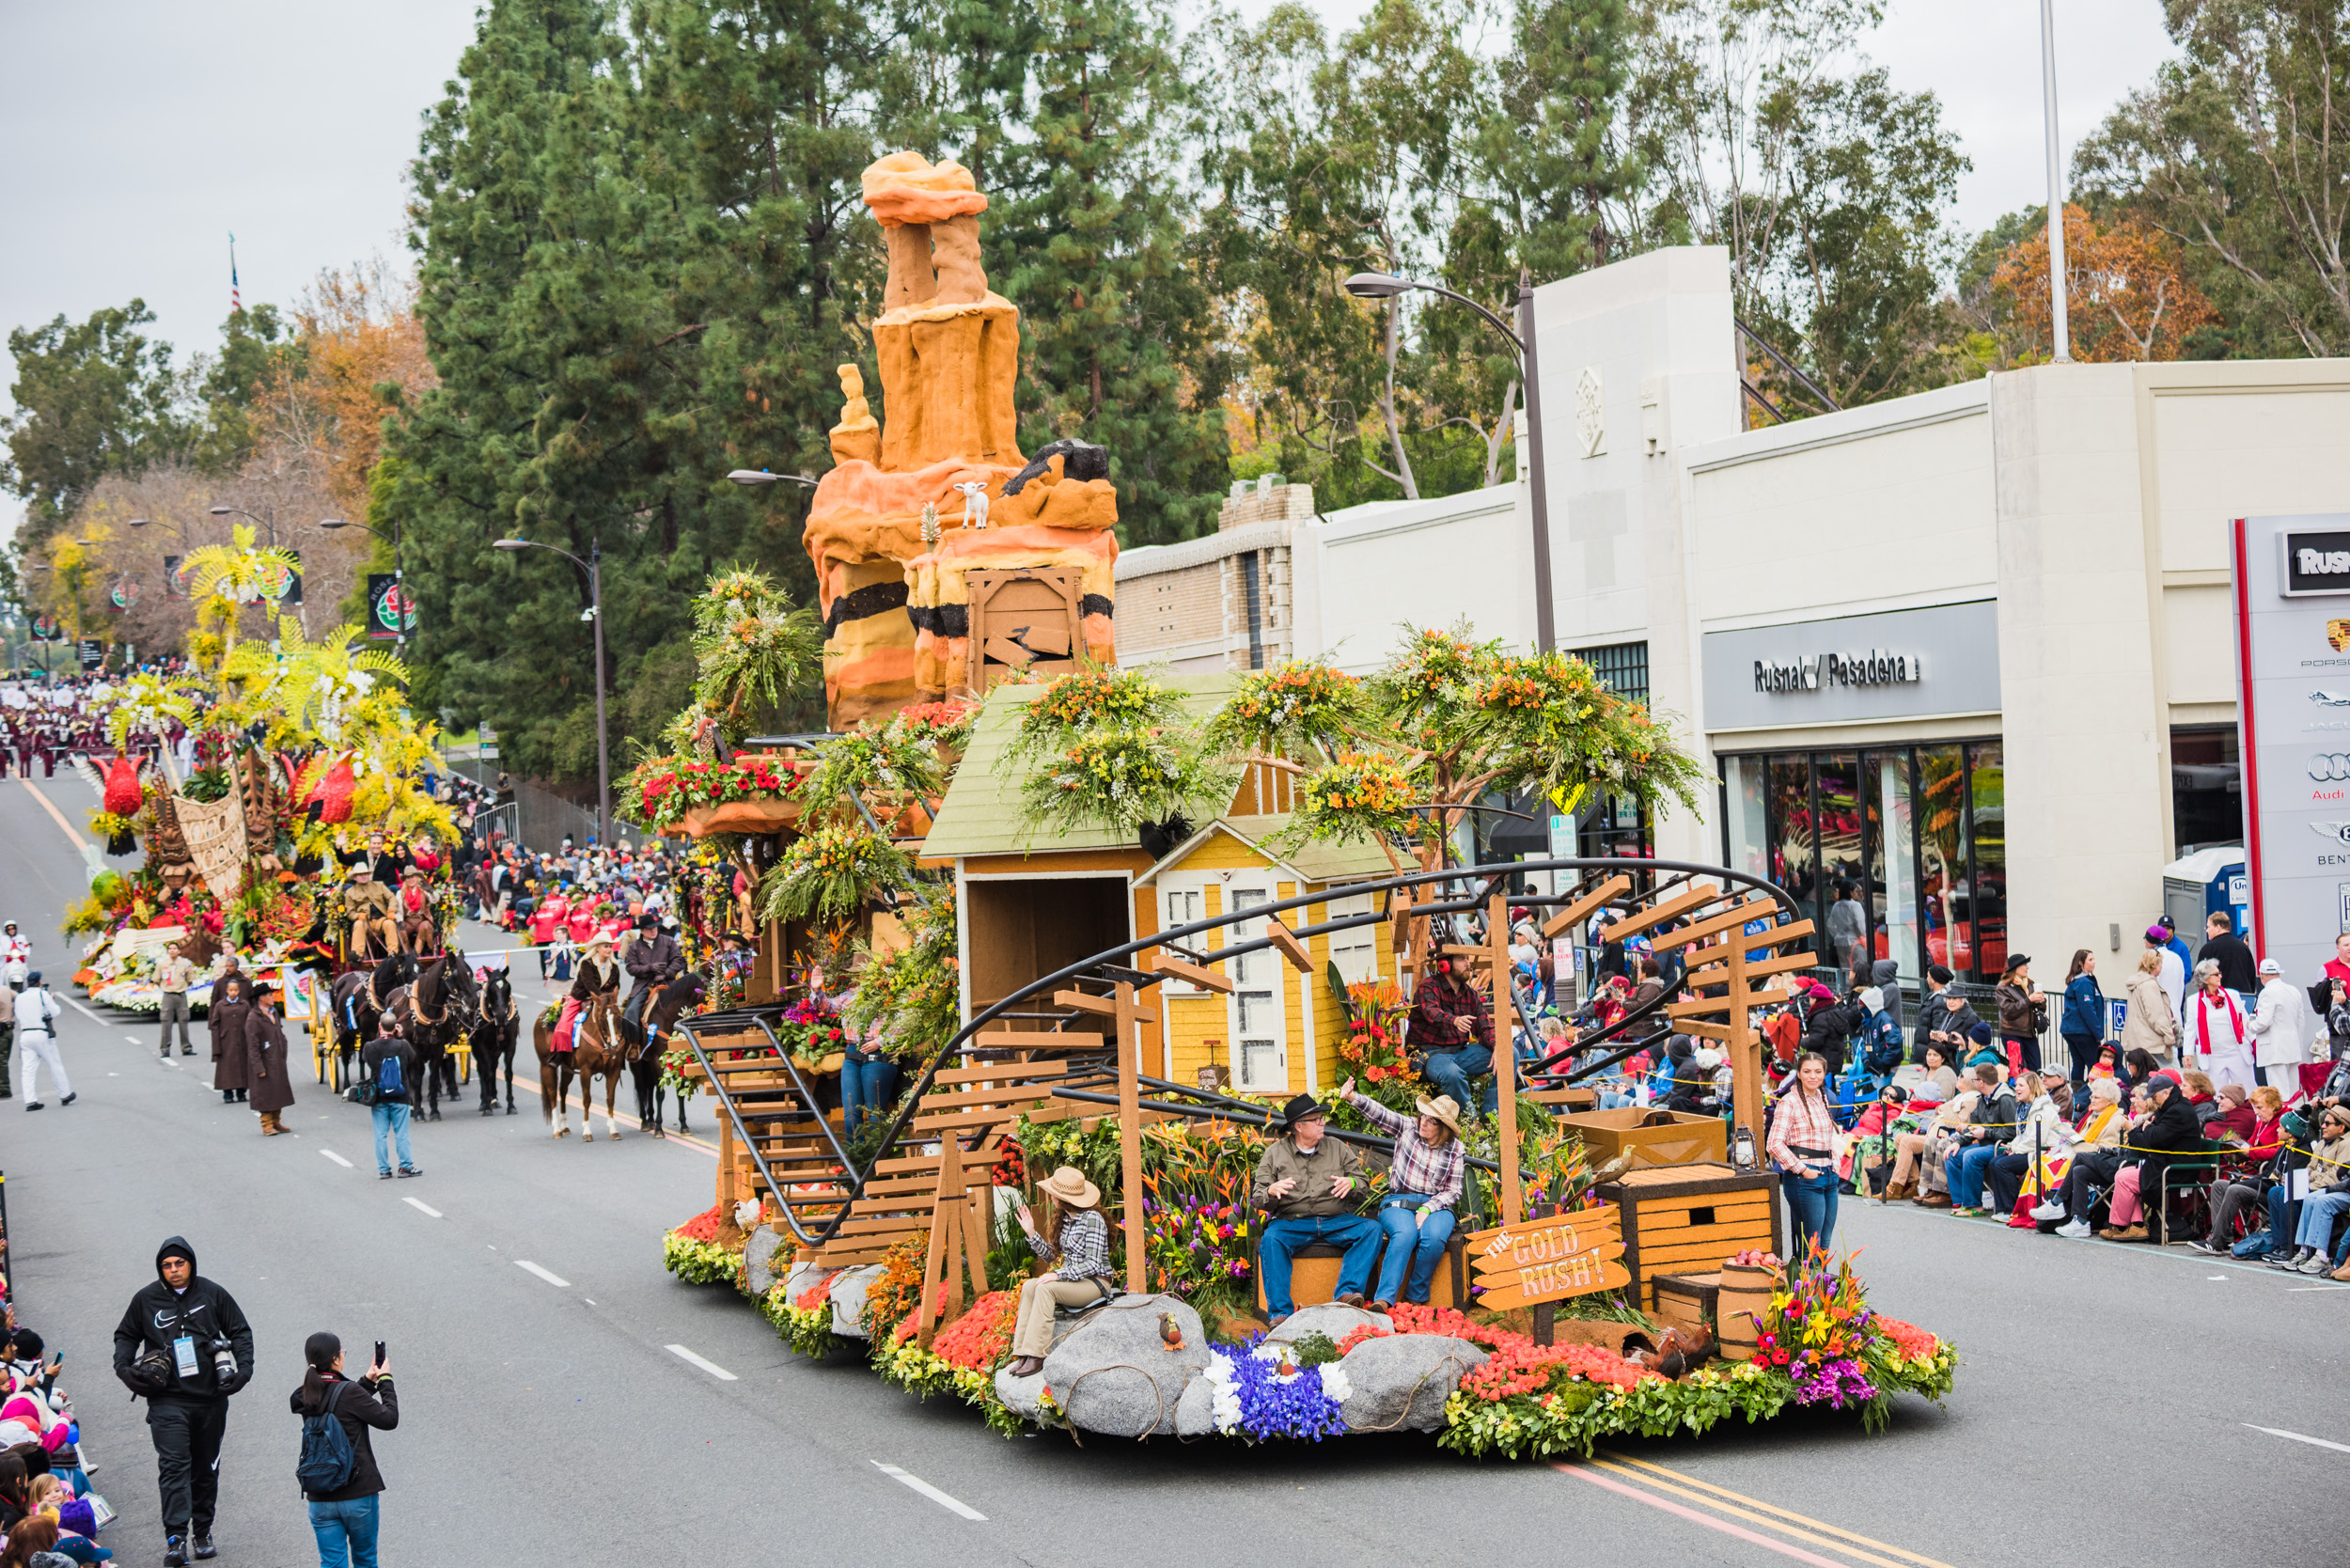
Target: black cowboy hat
1299	1109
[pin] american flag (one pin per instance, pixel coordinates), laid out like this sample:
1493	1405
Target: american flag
236	301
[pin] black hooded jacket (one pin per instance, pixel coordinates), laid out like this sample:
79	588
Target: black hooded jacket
159	1314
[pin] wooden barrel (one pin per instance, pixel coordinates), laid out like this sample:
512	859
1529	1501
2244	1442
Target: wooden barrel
1744	1297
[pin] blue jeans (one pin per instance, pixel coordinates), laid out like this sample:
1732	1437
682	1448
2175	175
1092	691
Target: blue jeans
1450	1072
868	1087
1283	1237
346	1532
1810	1209
2318	1212
1414	1243
392	1119
1964	1172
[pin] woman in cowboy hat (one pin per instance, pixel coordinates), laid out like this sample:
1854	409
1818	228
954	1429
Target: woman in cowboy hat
1080	1251
271	1085
1423	1185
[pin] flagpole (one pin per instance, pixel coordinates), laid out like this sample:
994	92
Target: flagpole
2063	333
236	300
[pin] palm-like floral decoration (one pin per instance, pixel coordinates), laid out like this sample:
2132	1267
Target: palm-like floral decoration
751	647
227	575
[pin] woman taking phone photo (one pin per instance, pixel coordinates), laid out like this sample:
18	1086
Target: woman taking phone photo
345	1518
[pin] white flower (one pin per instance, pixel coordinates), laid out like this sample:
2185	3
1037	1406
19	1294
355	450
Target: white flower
1334	1382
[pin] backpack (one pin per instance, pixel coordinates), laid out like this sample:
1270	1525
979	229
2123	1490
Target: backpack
385	1087
1885	1046
328	1456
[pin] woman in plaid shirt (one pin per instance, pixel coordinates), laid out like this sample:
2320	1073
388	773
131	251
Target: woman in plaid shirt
1423	1185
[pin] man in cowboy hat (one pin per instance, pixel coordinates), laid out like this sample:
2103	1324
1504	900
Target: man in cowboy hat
374	923
1306	1182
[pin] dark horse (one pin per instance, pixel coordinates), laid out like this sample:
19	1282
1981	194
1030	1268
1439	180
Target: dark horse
495	1038
669	1003
435	1012
359	997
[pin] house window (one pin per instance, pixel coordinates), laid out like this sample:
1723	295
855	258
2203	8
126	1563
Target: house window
1356	951
1182	908
1256	1007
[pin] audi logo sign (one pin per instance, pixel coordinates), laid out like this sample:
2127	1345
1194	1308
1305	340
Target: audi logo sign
2330	767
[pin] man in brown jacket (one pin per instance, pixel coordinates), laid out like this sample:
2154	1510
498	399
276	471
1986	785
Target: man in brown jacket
1307	1184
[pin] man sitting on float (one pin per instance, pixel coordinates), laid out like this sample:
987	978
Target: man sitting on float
1305	1183
374	925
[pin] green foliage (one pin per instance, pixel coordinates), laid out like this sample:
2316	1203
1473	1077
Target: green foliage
751	648
912	993
2240	152
91	397
831	874
1114	748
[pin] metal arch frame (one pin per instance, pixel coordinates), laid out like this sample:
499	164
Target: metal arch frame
1492	876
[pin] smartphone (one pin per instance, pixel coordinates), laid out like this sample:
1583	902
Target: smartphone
378	1353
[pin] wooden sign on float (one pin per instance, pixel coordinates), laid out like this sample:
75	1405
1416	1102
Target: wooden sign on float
1550	1259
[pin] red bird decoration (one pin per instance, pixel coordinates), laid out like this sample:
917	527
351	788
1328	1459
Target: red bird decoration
122	787
334	791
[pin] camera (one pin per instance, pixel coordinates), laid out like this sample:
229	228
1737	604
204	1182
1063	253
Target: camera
224	1361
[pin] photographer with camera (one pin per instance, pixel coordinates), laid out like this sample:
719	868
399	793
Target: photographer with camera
338	1471
183	1346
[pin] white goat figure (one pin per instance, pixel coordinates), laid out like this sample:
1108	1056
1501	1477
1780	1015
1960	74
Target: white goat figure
973	493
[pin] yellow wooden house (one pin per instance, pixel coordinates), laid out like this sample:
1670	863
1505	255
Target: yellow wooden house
1030	906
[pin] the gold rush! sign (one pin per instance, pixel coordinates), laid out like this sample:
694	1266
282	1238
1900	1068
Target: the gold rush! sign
1550	1259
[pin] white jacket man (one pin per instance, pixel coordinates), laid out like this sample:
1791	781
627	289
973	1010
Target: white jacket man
2282	1026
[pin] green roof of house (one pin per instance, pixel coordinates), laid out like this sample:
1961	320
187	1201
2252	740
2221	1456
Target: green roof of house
980	814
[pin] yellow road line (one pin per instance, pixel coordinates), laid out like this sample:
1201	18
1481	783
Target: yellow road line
54	815
1770	1508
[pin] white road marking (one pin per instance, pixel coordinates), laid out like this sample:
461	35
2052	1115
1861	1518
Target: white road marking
703	1361
941	1499
2297	1289
337	1158
2214	1276
2314	1442
88	1013
557	1280
419	1203
135	1040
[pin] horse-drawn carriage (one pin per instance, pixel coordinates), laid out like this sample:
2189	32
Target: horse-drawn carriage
447	1013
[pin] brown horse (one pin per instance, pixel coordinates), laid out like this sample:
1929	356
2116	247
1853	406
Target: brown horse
589	1058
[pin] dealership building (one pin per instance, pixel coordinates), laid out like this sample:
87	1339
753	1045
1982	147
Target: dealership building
1963	663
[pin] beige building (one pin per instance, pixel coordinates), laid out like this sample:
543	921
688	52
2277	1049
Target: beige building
1222	601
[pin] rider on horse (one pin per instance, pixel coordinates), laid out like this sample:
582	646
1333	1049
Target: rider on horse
597	984
654	959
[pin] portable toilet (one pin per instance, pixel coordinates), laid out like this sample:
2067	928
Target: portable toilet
2209	882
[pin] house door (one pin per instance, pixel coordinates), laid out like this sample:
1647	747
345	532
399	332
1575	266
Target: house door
1260	1040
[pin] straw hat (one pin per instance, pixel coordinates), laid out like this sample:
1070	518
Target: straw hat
1444	1108
1067	1185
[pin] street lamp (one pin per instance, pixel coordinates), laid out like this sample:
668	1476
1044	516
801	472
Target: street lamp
595	610
1386	286
761	475
270	522
400	576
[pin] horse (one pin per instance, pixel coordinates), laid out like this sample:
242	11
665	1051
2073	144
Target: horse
436	1011
662	1010
494	1039
589	1058
358	998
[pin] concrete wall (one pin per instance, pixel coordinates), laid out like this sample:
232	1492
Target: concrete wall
1360	575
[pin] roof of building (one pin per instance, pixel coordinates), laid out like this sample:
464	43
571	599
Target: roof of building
980	814
1313	862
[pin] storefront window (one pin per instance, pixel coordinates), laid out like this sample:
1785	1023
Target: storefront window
1747	835
1842	866
1894	863
1795	842
2206	790
1942	844
1986	794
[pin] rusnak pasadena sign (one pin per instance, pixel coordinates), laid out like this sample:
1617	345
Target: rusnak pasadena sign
1938	660
1872	669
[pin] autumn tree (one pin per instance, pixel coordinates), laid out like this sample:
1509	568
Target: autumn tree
2128	294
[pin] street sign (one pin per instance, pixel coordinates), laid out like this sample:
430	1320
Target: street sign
1550	1259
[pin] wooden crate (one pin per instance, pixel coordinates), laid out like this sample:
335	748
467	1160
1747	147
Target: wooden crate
1688	1300
1689	1219
1653	1135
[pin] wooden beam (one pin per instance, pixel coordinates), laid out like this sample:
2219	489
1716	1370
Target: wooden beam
1291	948
1102	1007
1656	915
1193	974
1734	918
1615	886
1129	1037
1505	1052
1712	971
1746	1057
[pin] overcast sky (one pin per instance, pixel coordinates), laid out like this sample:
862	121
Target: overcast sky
141	133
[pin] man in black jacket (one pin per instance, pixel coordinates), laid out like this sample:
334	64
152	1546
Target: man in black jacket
168	1349
1944	1018
654	959
2225	948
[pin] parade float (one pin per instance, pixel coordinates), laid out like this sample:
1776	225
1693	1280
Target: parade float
246	784
1113	919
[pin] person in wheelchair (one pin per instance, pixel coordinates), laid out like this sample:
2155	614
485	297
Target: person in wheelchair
1076	1242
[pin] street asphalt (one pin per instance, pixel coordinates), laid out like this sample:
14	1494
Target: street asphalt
565	1401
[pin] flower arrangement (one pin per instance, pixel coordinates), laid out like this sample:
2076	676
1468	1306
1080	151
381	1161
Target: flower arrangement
939	724
1125	698
803	1320
667	788
808	1034
1258	1391
1118	780
1296	704
832	874
890	1300
1823	1335
1371	1050
913	993
694	1253
1355	796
